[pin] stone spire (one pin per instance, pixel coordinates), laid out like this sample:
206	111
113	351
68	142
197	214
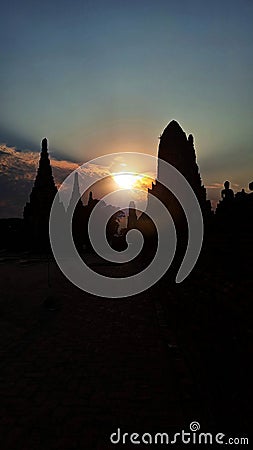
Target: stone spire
44	178
132	216
178	150
77	210
76	196
44	189
90	201
37	211
173	131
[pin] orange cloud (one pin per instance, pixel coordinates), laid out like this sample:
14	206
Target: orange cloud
17	174
23	165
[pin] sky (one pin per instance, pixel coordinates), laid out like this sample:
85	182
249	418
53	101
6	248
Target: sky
98	77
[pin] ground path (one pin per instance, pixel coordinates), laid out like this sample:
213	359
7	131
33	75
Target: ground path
72	376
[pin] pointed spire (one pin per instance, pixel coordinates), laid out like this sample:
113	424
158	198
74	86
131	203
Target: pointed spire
75	199
132	216
173	129
178	150
44	145
44	176
90	201
37	211
76	189
191	140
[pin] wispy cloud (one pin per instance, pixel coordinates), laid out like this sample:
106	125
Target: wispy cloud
17	173
221	186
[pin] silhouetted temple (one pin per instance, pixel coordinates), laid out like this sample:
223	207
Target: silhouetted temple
178	150
78	214
174	148
75	199
132	216
234	211
37	211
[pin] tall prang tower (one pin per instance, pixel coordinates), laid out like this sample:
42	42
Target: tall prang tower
132	216
178	150
78	215
76	196
37	210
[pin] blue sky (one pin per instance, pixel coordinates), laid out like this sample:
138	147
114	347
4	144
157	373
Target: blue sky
98	77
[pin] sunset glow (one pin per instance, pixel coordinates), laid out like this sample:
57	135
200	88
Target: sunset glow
126	180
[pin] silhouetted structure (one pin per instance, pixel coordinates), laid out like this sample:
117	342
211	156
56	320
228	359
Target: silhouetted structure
178	150
250	206
87	212
75	200
225	210
132	217
241	194
227	194
92	202
78	217
234	212
112	230
37	211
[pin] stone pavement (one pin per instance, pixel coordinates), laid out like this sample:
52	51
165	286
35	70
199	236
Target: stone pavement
70	377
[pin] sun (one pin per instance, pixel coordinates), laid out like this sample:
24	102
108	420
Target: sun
126	180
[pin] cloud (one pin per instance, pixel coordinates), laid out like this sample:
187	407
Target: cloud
145	182
214	191
214	186
221	186
18	171
17	174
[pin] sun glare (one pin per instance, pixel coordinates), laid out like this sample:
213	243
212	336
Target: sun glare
126	180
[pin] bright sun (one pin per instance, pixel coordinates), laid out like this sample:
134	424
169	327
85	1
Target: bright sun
126	180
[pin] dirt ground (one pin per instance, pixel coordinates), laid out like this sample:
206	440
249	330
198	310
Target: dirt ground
74	368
